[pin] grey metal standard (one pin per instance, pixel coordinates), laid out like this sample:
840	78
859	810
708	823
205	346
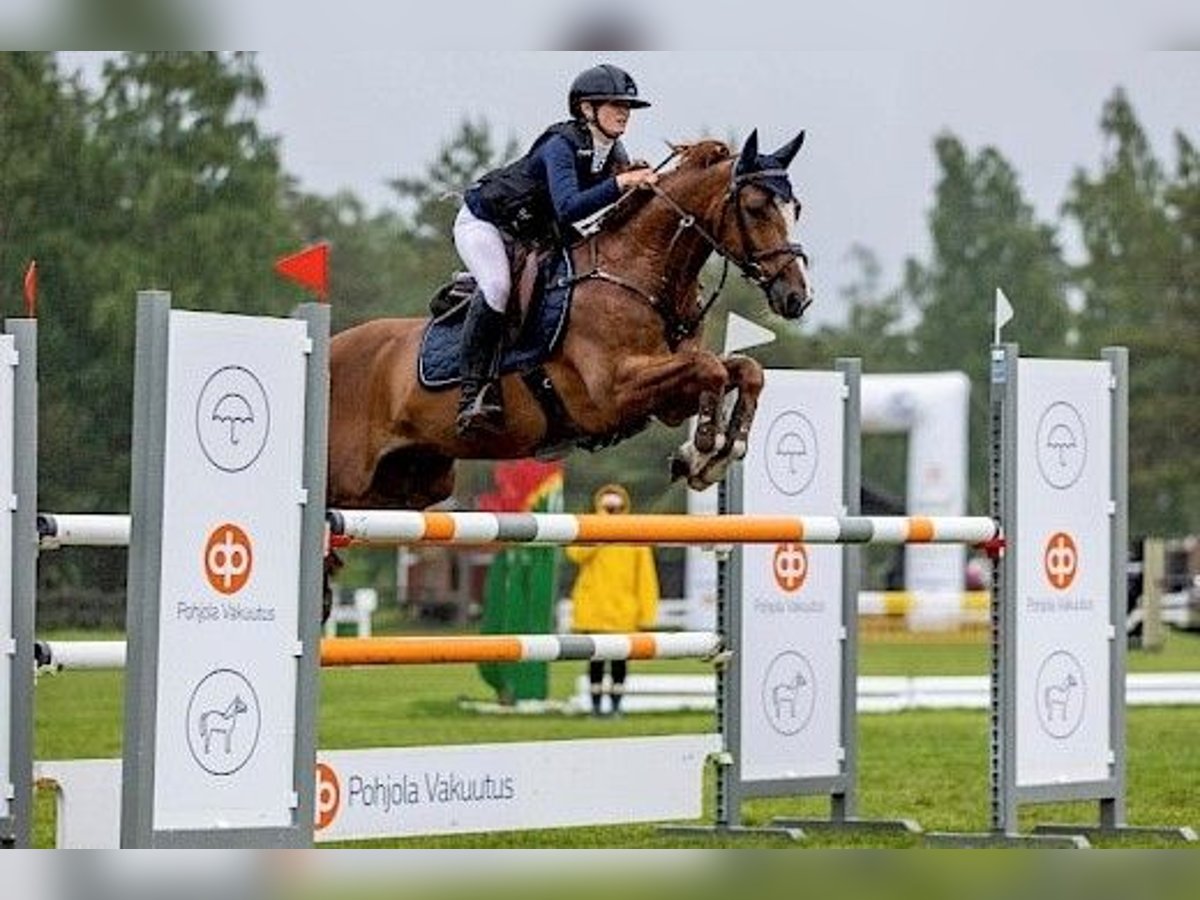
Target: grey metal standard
1006	795
16	829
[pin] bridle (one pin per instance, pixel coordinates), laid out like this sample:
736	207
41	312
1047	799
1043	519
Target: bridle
749	263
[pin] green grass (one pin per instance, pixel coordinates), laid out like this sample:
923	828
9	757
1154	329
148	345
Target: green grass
911	656
926	765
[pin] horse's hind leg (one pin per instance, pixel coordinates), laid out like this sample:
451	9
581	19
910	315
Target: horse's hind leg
406	478
411	478
332	565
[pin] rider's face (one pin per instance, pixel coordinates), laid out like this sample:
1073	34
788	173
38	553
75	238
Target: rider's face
612	118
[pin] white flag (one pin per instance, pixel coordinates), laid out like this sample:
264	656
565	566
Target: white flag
1004	313
742	334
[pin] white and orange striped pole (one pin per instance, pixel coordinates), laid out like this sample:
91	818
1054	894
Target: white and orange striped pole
382	527
438	650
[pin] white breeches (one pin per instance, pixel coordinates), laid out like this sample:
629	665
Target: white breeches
481	248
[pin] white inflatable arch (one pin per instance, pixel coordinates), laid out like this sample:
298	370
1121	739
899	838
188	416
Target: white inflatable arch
932	409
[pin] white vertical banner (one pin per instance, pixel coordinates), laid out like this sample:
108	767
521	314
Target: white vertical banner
8	360
791	640
232	502
1062	522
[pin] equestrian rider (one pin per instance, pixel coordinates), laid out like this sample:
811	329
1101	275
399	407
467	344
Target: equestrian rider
573	170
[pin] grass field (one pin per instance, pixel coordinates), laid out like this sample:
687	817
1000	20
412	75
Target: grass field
925	765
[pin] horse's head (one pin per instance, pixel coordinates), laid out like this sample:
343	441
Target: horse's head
756	237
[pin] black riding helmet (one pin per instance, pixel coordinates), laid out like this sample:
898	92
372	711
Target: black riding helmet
601	83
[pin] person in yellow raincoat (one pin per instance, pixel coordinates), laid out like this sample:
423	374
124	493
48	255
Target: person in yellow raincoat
615	592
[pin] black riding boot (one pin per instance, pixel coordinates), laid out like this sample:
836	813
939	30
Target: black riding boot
481	406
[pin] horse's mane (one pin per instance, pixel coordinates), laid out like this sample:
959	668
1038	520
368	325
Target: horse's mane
690	158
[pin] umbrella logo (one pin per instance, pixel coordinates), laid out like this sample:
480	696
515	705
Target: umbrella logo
233	410
233	418
791	453
1061	445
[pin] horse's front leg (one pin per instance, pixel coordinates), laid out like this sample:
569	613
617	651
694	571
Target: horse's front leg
708	438
673	388
746	377
746	384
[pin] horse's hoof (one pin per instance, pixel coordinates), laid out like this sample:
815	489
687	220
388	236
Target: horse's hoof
679	466
739	450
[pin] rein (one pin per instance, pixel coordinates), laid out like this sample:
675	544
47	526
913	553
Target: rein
678	327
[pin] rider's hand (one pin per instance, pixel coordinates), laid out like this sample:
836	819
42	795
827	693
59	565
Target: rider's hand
634	178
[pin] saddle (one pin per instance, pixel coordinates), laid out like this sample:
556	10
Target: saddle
525	263
535	324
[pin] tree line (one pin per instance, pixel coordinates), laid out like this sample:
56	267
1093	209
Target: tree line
162	177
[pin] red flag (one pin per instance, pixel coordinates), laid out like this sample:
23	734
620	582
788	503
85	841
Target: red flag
31	289
309	268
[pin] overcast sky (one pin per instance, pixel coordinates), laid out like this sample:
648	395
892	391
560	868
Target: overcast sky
354	119
865	175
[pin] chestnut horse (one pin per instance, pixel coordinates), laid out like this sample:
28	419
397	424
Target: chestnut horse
631	352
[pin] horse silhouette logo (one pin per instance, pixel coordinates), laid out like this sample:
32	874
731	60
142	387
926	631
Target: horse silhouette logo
785	694
224	719
222	722
789	693
1057	697
1060	694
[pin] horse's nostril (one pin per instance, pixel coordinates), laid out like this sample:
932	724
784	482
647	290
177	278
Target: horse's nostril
798	303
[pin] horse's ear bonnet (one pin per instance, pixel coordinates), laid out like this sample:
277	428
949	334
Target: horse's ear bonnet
785	154
772	166
748	158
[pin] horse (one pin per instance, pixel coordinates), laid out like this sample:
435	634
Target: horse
631	351
222	722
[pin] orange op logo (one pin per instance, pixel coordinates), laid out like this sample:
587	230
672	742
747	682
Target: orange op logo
1061	560
228	558
329	796
790	566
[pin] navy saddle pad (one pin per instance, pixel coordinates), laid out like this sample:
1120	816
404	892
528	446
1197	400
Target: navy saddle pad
541	332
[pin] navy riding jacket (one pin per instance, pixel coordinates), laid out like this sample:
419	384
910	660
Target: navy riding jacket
553	180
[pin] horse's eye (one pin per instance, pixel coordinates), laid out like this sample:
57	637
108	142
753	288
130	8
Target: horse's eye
758	208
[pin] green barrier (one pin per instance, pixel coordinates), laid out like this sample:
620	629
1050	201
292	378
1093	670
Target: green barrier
521	583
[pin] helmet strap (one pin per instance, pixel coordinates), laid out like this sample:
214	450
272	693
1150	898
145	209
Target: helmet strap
593	121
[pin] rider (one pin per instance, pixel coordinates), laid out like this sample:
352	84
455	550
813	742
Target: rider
574	169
